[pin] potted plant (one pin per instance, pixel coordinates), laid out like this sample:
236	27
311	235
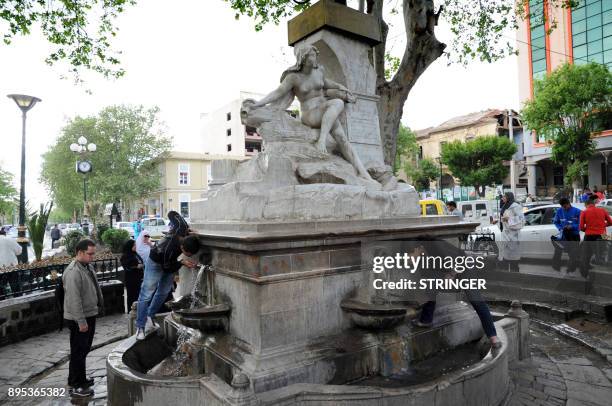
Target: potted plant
37	225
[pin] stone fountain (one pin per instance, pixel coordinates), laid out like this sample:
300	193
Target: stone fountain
291	317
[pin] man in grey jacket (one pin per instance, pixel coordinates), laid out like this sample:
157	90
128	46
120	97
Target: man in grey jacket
83	301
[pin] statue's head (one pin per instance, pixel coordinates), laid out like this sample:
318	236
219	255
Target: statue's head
307	55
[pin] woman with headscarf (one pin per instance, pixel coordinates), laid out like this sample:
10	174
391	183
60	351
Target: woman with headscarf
144	244
510	224
160	267
133	269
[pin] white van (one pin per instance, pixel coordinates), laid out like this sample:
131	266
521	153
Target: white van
155	226
478	211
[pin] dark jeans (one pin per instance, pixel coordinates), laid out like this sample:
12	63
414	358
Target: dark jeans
53	242
589	246
476	300
80	345
133	281
570	244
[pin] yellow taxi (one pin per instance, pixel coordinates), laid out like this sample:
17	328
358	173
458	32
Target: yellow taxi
433	207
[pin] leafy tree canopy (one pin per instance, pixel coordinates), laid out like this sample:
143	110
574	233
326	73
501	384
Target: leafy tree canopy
423	173
8	193
479	162
129	139
568	106
407	147
80	31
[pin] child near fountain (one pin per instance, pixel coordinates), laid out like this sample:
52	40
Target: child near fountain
189	259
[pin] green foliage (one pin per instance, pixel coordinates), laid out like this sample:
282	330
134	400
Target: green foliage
115	238
79	32
100	229
479	162
406	149
568	106
8	194
71	240
423	173
129	141
37	226
480	28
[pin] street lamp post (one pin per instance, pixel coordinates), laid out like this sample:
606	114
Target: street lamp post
83	166
25	103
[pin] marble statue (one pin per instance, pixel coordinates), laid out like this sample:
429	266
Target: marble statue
321	100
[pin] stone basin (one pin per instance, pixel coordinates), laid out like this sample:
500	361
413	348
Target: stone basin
373	316
207	319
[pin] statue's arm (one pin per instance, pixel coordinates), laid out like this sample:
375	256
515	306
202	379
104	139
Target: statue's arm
330	84
285	87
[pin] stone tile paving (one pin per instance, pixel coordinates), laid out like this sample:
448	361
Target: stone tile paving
23	362
561	372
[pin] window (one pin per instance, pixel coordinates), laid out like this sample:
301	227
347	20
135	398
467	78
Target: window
534	218
420	152
209	177
228	116
183	174
229	147
431	209
228	132
549	215
558	176
184	200
592	32
539	63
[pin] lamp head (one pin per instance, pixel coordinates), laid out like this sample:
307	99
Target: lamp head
82	140
24	102
91	147
75	147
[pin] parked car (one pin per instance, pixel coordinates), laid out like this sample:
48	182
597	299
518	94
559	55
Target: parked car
155	226
432	207
539	227
69	227
125	225
478	211
606	203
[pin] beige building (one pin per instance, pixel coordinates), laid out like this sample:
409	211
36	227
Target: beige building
184	176
465	128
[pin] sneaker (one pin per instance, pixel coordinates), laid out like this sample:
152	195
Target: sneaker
89	382
140	334
151	324
81	392
419	323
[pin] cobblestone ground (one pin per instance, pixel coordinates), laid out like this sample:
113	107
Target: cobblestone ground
42	361
560	372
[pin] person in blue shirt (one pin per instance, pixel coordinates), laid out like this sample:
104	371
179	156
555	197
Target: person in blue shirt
137	226
585	195
567	221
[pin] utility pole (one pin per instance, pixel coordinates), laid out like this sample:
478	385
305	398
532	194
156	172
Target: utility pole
512	162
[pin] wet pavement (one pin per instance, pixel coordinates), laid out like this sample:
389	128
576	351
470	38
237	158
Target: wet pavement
42	362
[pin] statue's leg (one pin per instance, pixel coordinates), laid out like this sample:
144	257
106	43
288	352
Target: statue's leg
332	108
347	150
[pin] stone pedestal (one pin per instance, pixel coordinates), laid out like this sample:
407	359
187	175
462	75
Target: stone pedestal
285	284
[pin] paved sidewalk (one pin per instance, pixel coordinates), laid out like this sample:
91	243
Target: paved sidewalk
27	361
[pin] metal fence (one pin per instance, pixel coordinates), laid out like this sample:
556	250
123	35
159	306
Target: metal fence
23	281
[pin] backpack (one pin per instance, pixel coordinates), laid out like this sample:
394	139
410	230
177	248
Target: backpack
59	300
166	253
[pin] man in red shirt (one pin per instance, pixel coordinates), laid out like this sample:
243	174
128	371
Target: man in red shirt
600	195
593	221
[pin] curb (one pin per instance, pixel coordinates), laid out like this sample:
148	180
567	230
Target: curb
594	344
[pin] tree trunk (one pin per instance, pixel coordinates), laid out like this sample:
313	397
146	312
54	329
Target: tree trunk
422	48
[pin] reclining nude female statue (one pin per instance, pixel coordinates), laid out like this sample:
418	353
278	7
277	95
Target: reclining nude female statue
321	101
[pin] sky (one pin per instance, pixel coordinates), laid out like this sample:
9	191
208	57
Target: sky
191	58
